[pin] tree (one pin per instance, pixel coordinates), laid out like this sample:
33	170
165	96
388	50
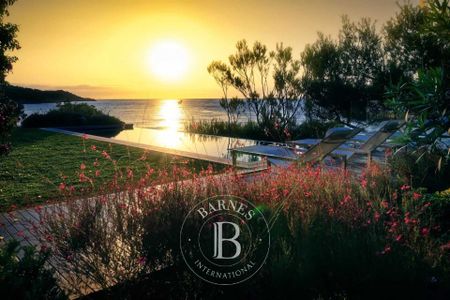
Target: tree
268	82
408	46
9	110
425	105
342	77
423	98
232	106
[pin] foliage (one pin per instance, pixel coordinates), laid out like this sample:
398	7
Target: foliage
251	130
275	100
42	164
8	40
10	113
417	38
419	44
68	114
27	277
9	110
342	77
418	169
332	234
248	130
425	103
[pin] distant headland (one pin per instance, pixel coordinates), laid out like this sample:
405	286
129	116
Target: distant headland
31	96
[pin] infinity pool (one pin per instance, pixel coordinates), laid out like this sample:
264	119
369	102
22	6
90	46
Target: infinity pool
209	145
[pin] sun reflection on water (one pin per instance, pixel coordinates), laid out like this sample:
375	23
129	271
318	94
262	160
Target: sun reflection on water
171	115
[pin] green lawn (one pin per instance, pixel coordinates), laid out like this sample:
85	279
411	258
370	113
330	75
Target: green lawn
41	160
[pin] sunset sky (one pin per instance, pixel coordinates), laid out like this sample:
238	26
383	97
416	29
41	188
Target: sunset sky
103	48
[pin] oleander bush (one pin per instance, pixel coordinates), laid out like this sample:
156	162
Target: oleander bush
333	235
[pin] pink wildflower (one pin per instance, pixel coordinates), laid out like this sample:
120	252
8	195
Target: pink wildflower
405	187
364	183
105	154
417	196
425	231
376	216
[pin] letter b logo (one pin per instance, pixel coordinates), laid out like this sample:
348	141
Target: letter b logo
219	240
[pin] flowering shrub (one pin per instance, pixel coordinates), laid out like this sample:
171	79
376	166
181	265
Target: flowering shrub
333	234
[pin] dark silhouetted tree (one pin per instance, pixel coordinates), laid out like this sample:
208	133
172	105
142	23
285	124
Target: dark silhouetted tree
411	42
268	82
9	110
341	77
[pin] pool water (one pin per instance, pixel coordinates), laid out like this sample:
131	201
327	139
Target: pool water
215	146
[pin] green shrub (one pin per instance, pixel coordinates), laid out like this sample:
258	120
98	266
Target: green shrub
27	277
251	130
420	169
69	114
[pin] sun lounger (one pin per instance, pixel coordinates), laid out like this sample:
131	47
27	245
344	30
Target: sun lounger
365	143
332	140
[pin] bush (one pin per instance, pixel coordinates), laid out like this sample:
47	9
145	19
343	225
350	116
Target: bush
248	130
420	169
333	235
28	277
251	130
10	113
312	129
68	114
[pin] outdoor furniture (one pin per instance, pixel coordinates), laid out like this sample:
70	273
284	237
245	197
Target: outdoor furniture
332	140
365	143
387	129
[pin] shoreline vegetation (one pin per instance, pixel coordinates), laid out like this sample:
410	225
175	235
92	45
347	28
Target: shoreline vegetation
251	130
72	115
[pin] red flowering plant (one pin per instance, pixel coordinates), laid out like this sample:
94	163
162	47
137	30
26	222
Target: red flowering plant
331	231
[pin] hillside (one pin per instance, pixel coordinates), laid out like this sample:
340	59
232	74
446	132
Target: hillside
29	96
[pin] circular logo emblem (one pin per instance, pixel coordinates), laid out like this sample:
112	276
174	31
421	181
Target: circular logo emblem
225	240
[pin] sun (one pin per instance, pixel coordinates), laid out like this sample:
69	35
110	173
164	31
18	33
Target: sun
168	60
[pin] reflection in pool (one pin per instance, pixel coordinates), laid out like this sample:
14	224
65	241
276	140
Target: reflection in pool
194	143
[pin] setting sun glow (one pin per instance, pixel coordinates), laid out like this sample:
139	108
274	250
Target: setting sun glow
168	60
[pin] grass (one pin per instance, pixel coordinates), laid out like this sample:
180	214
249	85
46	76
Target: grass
40	161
